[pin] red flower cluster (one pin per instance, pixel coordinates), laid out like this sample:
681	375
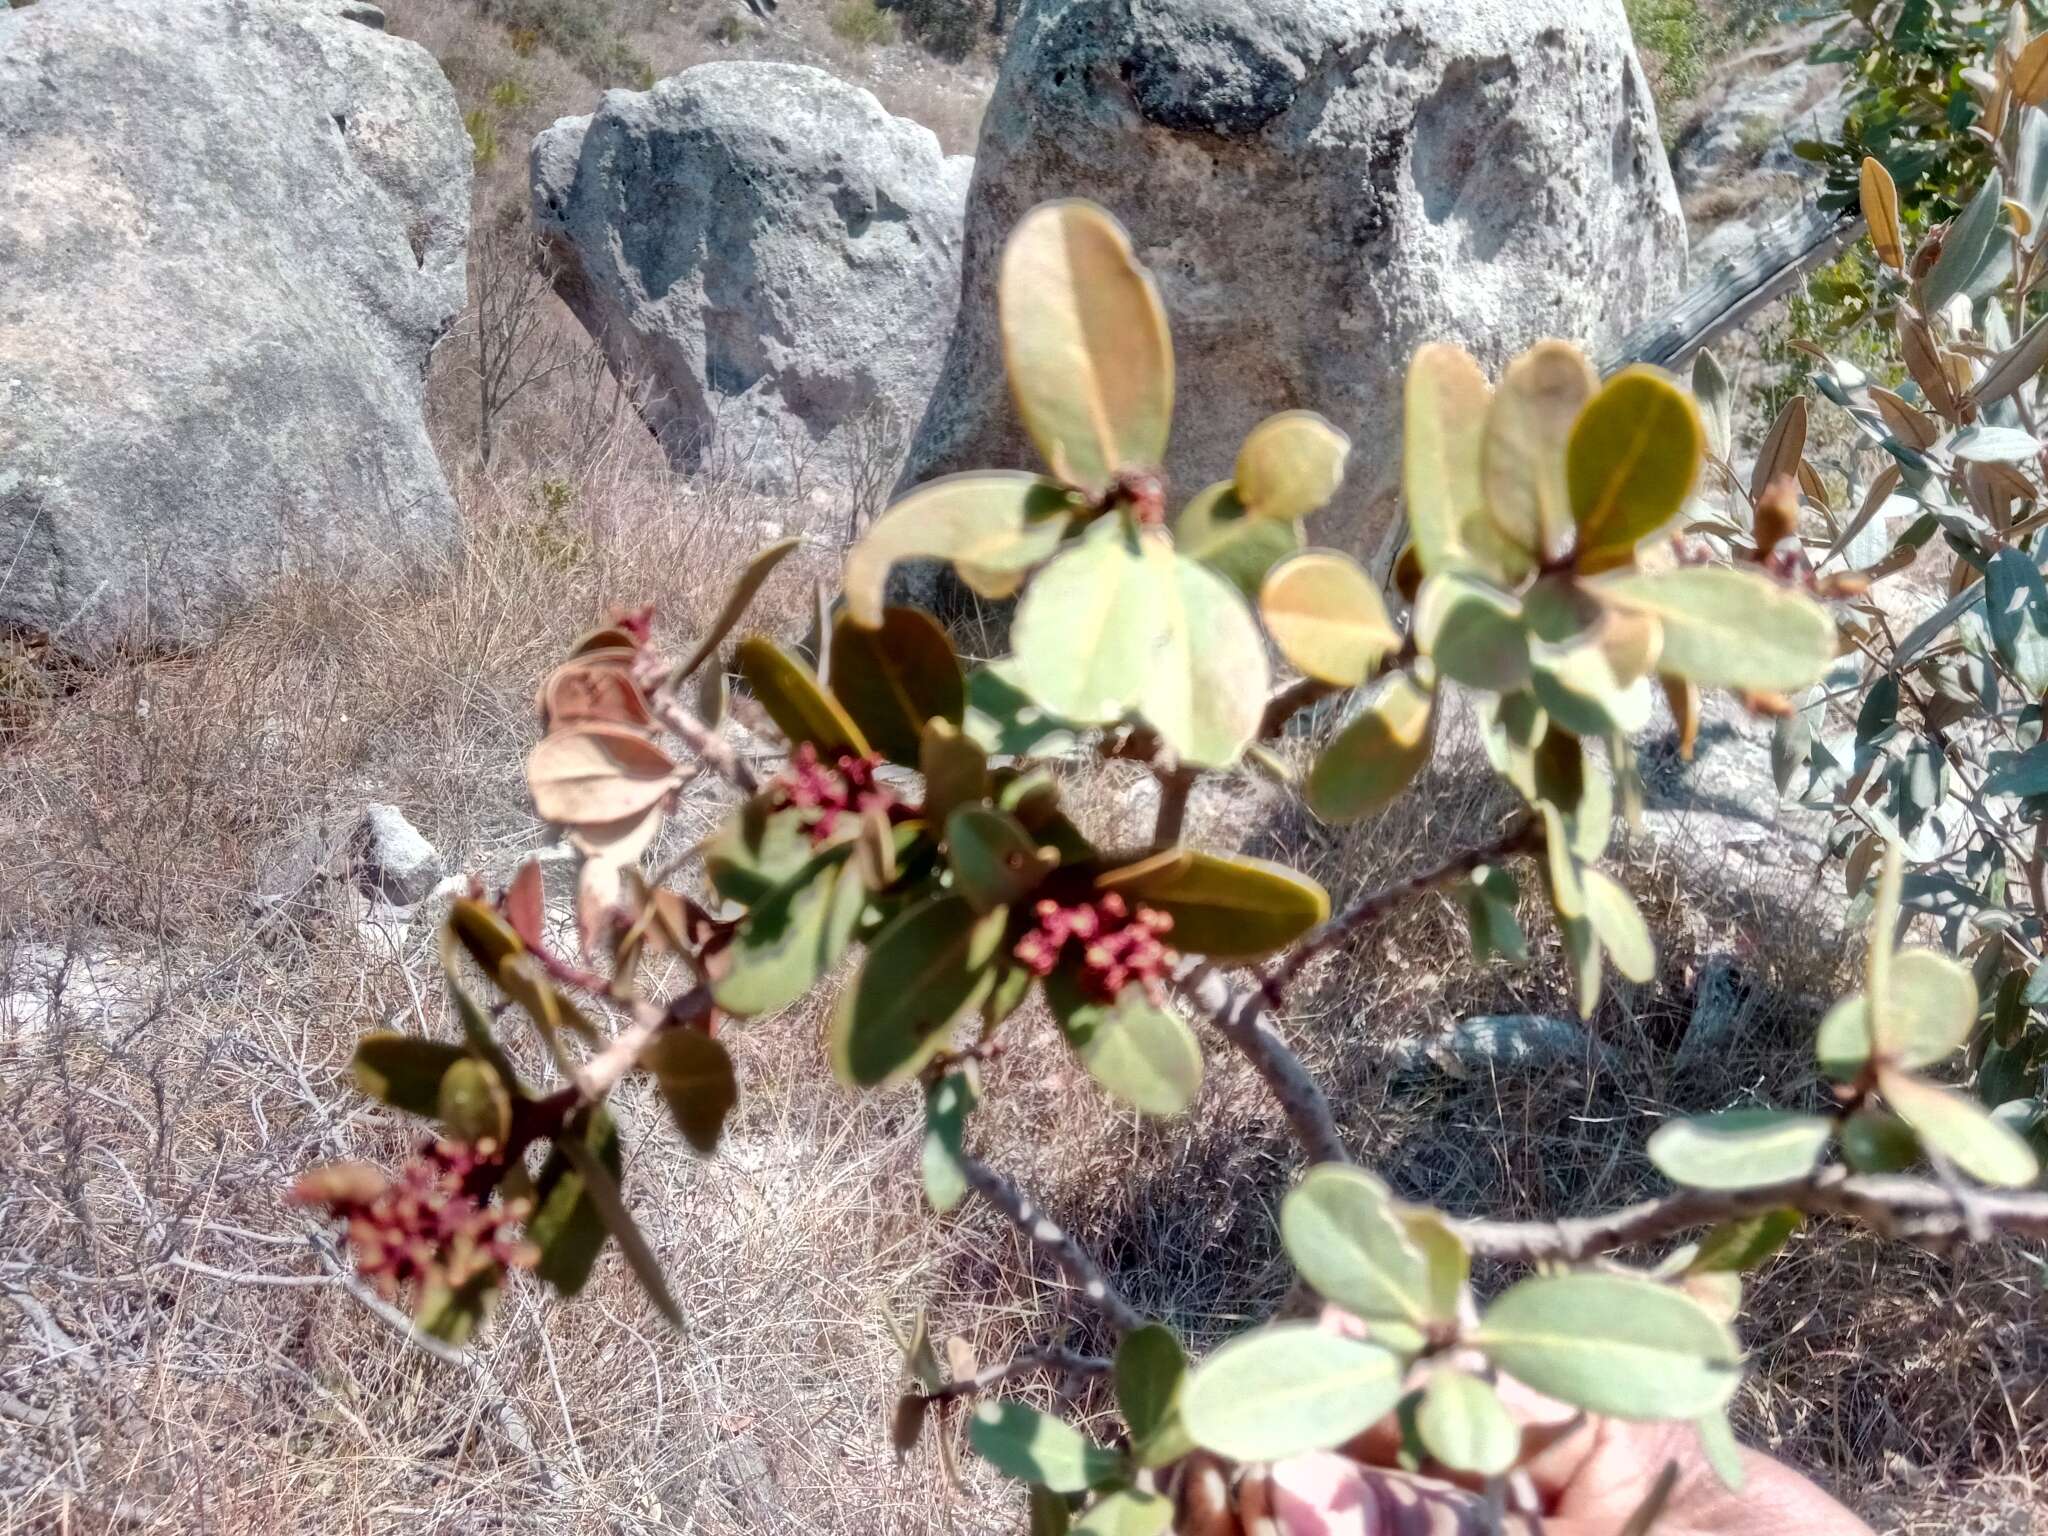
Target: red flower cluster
846	786
1119	945
422	1228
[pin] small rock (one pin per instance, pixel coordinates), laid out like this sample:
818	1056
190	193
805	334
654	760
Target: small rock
392	859
1525	1042
1721	1007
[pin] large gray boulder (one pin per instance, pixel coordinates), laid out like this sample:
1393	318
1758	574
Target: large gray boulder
231	231
770	260
1320	186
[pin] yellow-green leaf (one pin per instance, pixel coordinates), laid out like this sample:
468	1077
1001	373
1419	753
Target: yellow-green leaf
1464	1426
1205	691
1610	1344
473	1103
1218	530
1960	1130
1291	465
1726	628
1286	1389
1226	907
1930	1009
694	1073
801	710
1447	398
1740	1148
989	523
1373	758
1881	212
1620	926
1089	631
1634	455
1085	339
1522	455
1473	632
1325	614
1357	1248
892	679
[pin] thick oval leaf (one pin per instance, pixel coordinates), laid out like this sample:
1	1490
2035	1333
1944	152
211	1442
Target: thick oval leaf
1218	530
1091	629
1352	1243
1206	692
1372	759
1086	343
758	570
801	710
1464	1426
1610	1344
946	1108
999	522
955	770
1963	246
1021	1442
1150	1370
474	1105
1783	447
1130	1512
755	850
1717	404
1473	632
1735	1246
1876	1142
1141	1053
1325	614
1227	907
1961	1130
1003	720
695	1076
585	691
1930	1010
1620	927
1522	455
1725	628
404	1071
793	937
597	773
1291	465
1446	403
995	861
1634	455
924	971
1740	1148
895	678
1286	1389
567	1226
1881	212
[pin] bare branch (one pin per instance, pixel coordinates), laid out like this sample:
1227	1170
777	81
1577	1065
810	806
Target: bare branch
1245	1019
1025	1214
1175	785
718	754
1049	1358
1917	1209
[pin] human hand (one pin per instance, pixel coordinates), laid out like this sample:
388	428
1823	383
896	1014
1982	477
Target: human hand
1581	1477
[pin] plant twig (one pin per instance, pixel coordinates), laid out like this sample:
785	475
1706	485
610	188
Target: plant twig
1921	1210
718	754
1245	1018
1049	1358
1026	1215
1175	785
